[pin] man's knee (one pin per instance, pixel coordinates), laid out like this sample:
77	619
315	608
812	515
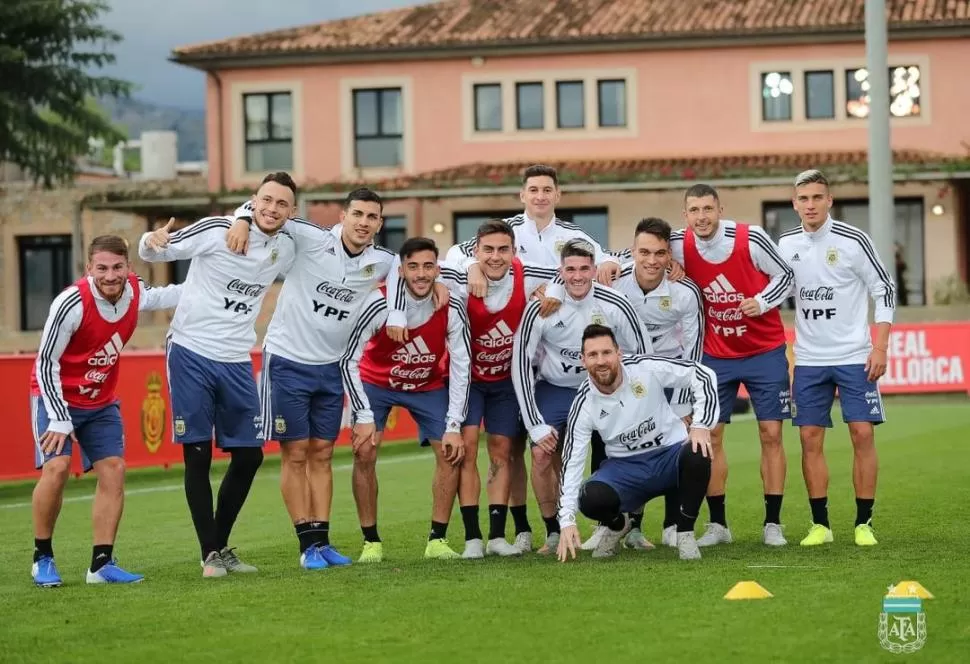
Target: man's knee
770	433
862	435
320	452
365	457
599	501
111	472
57	469
246	458
694	463
294	452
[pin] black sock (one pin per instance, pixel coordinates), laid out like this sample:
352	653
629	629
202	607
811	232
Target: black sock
469	517
321	532
370	533
234	490
716	505
636	520
198	494
671	510
496	521
304	532
43	547
616	524
863	510
101	556
820	510
552	524
438	530
521	519
773	508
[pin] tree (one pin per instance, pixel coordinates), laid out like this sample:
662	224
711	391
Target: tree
47	49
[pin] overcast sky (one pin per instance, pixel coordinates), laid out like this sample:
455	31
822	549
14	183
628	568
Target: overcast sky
152	28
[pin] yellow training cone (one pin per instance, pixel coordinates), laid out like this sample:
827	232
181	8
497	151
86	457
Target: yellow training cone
748	590
909	589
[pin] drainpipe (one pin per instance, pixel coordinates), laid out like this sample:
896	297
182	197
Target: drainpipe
220	142
77	240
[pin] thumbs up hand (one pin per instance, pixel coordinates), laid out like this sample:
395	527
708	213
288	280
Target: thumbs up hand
159	237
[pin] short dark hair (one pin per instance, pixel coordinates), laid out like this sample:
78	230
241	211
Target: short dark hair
494	227
538	170
654	226
700	191
114	244
578	247
280	177
363	194
413	245
595	331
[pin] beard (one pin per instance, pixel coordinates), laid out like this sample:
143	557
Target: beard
604	376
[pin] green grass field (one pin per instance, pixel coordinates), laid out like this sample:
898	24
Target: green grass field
633	608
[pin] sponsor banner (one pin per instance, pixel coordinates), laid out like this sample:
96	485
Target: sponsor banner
145	410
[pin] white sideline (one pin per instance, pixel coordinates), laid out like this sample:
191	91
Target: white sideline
340	466
180	487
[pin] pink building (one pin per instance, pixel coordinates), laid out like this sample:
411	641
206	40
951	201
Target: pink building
440	106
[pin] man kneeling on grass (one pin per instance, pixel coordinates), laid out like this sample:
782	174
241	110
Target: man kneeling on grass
648	448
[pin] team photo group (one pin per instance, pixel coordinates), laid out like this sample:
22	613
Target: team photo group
557	353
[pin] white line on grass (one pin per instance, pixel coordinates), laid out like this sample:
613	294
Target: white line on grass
786	567
179	487
342	466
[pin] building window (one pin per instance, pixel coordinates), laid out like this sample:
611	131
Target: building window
909	234
393	233
570	107
776	91
530	110
594	221
904	92
819	95
612	103
268	119
378	128
45	270
488	107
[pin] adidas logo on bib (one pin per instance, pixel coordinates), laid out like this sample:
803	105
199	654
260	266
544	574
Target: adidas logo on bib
722	291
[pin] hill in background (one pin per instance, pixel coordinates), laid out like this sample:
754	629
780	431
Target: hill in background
137	116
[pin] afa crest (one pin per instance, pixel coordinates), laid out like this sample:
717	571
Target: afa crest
831	256
179	426
638	389
597	319
153	414
559	245
279	424
665	303
273	255
368	270
902	623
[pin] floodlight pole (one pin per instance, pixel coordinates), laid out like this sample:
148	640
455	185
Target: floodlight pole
882	219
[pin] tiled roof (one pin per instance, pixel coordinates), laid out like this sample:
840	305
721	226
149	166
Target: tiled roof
725	167
480	23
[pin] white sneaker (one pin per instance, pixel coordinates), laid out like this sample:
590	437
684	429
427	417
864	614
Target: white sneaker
213	566
714	533
594	539
687	546
474	549
669	537
610	539
523	542
550	545
499	547
635	539
773	536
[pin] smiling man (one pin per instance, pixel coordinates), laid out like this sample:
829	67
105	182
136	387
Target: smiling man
208	357
427	374
551	347
73	401
837	270
322	299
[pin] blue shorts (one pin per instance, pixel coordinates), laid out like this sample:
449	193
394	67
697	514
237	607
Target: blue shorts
765	376
637	479
212	396
496	404
300	401
428	409
814	393
554	403
99	432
